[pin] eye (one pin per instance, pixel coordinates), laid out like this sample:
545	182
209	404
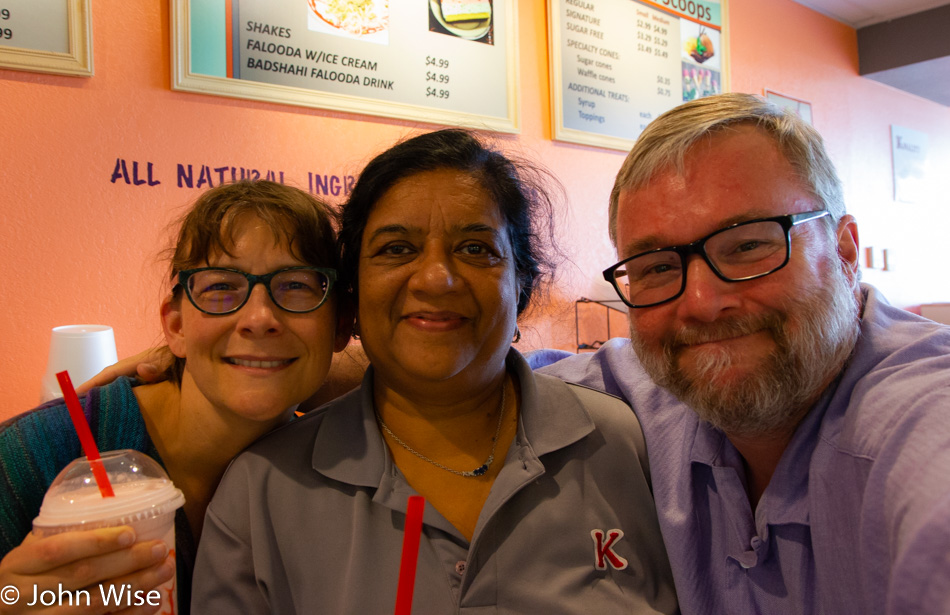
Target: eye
208	282
395	249
295	285
658	269
299	281
474	249
748	246
752	248
654	268
217	286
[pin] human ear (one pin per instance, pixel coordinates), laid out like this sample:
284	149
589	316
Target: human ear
172	326
848	245
345	325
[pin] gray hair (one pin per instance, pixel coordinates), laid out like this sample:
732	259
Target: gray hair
668	138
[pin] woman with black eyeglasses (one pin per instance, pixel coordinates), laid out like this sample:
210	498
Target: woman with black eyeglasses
253	321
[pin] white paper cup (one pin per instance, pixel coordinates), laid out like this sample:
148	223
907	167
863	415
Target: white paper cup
144	498
82	350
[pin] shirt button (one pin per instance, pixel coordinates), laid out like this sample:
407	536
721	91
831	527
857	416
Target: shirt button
460	567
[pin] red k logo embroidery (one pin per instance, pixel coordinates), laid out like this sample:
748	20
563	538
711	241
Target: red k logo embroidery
604	549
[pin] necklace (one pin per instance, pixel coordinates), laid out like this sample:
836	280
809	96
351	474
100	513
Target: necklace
480	470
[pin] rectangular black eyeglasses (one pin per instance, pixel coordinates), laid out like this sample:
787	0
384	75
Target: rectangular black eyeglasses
218	290
743	251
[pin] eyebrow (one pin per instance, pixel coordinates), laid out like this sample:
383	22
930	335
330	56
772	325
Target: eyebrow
654	242
477	227
399	229
389	229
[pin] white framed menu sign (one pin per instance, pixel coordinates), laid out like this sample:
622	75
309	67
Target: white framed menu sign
617	64
436	61
46	36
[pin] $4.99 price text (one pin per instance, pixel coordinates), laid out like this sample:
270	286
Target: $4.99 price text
437	75
5	33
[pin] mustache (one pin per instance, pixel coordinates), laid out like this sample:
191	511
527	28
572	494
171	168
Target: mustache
690	335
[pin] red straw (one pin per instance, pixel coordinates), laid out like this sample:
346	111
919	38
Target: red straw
410	554
85	435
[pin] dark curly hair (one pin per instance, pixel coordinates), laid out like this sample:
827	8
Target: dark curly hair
518	187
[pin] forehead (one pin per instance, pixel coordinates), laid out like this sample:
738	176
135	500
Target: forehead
731	176
444	198
248	236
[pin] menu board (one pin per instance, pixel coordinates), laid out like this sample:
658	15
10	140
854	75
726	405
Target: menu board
49	36
617	64
440	61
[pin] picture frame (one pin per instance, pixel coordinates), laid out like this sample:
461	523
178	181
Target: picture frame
456	51
615	65
65	51
797	106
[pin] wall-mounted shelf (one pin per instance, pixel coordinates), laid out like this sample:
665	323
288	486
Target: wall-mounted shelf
595	322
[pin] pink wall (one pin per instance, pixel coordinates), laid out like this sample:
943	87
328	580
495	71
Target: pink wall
78	248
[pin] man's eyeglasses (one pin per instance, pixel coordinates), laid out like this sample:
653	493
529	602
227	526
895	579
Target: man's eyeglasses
743	251
216	290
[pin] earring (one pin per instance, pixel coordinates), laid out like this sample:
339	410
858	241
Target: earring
517	335
356	331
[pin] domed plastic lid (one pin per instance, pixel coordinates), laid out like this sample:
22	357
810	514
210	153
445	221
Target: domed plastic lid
142	490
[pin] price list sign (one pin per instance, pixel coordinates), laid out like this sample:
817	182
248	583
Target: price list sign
50	36
617	64
439	61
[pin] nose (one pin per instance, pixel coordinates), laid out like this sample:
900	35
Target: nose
706	296
259	315
436	273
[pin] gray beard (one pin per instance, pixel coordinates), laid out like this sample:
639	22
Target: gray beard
814	336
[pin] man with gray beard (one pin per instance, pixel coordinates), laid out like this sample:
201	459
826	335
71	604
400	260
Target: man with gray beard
799	438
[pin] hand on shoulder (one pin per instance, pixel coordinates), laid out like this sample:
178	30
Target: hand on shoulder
149	365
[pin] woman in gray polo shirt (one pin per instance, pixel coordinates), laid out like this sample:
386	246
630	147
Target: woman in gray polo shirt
537	492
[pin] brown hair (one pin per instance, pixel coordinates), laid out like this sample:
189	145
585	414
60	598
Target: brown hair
297	220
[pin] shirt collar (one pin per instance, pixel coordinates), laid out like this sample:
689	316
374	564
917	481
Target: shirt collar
786	498
349	447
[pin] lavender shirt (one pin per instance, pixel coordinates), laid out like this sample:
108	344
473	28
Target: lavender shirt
856	518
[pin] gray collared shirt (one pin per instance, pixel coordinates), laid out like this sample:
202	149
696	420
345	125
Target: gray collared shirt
310	519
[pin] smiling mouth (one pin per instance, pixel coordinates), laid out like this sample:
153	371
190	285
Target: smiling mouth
259	364
436	321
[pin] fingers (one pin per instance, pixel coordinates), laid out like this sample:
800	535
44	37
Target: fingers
125	367
149	365
117	564
40	555
150	372
153	363
97	568
139	593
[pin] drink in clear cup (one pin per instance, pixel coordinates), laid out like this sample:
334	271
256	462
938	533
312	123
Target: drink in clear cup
144	498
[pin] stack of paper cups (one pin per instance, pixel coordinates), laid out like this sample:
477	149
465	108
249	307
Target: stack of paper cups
82	350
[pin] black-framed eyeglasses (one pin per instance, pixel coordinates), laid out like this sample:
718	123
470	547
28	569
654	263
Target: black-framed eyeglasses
743	251
217	290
